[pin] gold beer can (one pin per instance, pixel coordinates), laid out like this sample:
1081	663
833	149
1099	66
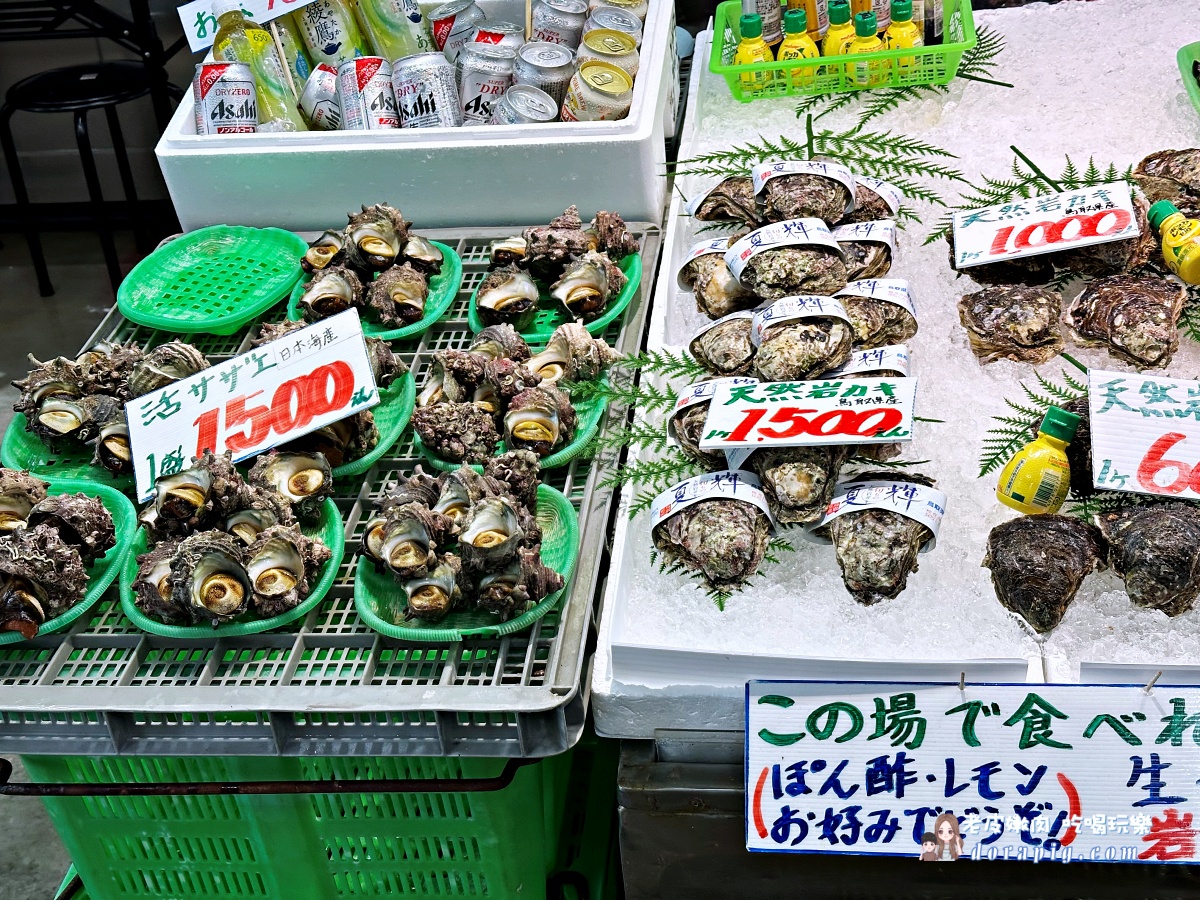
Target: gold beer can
599	91
611	46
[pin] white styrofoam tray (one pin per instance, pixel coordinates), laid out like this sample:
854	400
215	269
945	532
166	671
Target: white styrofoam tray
439	177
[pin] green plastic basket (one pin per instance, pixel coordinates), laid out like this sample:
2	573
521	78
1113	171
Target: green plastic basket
376	593
22	449
330	530
443	288
214	280
589	413
551	313
1188	58
103	571
935	64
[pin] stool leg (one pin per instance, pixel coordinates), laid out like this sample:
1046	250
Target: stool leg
24	211
97	197
118	142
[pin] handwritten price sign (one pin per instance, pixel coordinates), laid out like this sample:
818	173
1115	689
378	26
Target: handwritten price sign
271	395
797	413
1045	224
200	25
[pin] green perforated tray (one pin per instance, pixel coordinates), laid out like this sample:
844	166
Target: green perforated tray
443	287
103	571
22	449
1188	58
379	599
551	313
329	530
215	279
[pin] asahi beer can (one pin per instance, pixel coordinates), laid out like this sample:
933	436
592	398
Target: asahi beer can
452	24
545	66
638	7
612	19
485	73
523	103
426	91
506	34
225	101
319	99
598	92
365	92
613	47
559	21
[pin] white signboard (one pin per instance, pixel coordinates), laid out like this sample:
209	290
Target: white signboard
200	25
943	773
256	401
1045	224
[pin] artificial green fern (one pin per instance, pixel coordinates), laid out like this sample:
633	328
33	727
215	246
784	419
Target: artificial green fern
653	476
720	596
666	363
1017	427
643	396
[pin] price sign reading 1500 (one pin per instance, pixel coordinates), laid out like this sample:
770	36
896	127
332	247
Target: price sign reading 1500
795	422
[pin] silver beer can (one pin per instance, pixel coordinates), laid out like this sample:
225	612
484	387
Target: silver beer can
426	92
485	73
546	66
506	34
598	92
225	100
452	24
559	21
609	17
523	103
365	92
319	100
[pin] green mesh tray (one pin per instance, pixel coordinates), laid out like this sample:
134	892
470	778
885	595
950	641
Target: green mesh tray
379	599
22	449
551	313
103	571
391	415
1188	59
443	288
214	280
330	530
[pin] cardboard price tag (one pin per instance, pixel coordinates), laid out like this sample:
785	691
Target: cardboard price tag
200	25
936	772
256	401
1145	434
810	413
1045	224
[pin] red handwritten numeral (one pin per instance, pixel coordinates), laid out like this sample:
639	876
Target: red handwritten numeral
746	425
318	383
798	423
294	391
208	424
889	418
237	413
1000	241
1153	463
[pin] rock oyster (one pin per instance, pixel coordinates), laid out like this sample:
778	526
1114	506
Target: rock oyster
1172	175
1013	322
799	481
803	348
19	493
1156	551
1029	270
725	540
457	432
687	427
795	270
1038	563
1135	316
869	206
41	576
731	200
877	323
1114	257
726	348
866	259
717	292
80	520
804	195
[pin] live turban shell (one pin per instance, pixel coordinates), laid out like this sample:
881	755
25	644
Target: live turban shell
386	366
507	295
19	493
281	565
194	498
799	481
304	479
725	540
548	249
1135	316
397	297
518	471
432	596
80	520
328	249
1156	551
375	237
107	367
524	582
588	285
808	269
540	419
332	290
1013	322
209	582
726	348
490	534
153	591
572	354
732	200
804	195
497	341
164	365
457	432
41	576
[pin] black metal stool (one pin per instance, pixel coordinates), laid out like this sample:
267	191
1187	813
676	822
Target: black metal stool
79	90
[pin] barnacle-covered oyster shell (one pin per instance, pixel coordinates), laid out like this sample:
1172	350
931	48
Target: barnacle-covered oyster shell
163	365
280	564
1171	175
432	596
397	296
80	520
732	200
572	354
866	259
507	294
587	284
1115	257
517	470
808	269
490	534
328	249
1013	322
422	254
717	292
1156	551
804	195
799	481
522	583
803	348
304	479
195	498
612	236
497	341
1038	563
107	367
548	249
877	323
153	591
507	251
334	289
457	432
726	348
375	237
19	493
725	540
208	577
41	576
1135	316
540	419
112	449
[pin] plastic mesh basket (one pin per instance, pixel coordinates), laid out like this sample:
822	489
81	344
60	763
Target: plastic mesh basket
391	415
22	449
215	279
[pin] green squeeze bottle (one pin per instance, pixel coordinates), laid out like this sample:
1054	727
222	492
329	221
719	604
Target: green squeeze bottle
240	40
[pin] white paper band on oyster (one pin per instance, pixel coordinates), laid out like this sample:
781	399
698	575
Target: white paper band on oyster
709	326
723	485
892	358
711	183
788	233
703	248
885	290
888	192
918	502
881	231
764	172
791	309
735	457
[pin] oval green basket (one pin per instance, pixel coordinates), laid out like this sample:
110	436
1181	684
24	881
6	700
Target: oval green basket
214	280
551	313
103	571
443	288
330	530
376	593
22	449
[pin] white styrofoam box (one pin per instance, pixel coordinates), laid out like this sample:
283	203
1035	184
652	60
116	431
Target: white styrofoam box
439	177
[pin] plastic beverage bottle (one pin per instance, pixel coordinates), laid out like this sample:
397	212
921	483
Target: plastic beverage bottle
294	53
883	14
752	49
840	35
866	73
331	32
817	14
770	12
797	44
1180	240
240	40
903	33
1037	479
859	6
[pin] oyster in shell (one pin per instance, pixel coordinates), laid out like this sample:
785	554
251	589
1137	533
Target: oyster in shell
375	237
731	201
1038	563
327	250
153	590
19	493
866	259
725	540
41	576
521	584
280	564
457	432
717	292
165	364
868	206
799	481
507	251
80	520
1156	551
490	534
878	323
304	479
802	196
540	419
332	290
208	577
397	296
1013	322
1115	257
803	348
497	341
1135	316
422	254
1029	270
1172	175
687	426
549	249
507	294
572	354
612	236
432	596
726	348
795	270
587	285
517	470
